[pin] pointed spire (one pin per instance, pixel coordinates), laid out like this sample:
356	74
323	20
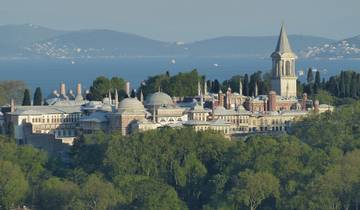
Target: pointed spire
256	92
141	96
116	99
283	45
201	100
205	88
199	88
240	87
110	98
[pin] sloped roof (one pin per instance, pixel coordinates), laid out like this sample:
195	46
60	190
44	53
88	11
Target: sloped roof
283	45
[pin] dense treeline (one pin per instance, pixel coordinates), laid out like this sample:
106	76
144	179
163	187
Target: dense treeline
102	85
11	90
315	167
347	84
181	84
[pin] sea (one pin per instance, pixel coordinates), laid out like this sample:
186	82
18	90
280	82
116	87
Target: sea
49	73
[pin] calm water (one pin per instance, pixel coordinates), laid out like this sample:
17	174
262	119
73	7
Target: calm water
49	73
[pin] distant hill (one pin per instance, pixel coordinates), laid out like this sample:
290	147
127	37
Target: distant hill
344	49
101	43
250	46
13	38
28	41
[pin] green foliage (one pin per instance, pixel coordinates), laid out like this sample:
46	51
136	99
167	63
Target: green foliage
13	185
310	76
38	98
315	167
11	90
57	194
324	97
97	193
26	98
347	84
182	84
254	188
102	85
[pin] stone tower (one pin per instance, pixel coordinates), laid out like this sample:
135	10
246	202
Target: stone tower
283	69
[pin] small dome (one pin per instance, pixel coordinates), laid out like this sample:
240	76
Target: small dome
131	104
159	99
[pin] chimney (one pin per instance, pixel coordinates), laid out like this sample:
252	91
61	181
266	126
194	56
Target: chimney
256	92
127	88
240	87
221	98
199	89
63	89
272	101
317	106
205	88
12	105
141	96
303	102
78	89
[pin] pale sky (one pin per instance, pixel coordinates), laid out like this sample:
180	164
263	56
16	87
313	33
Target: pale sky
190	20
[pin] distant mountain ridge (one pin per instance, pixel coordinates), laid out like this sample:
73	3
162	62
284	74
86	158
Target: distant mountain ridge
32	41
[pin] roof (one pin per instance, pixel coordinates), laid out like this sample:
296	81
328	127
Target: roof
131	105
220	110
40	110
283	45
159	99
98	117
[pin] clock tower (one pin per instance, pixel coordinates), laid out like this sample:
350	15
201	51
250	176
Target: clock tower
283	67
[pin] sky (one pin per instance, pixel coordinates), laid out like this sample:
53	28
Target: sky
190	20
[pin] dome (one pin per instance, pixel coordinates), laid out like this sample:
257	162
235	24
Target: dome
131	104
158	99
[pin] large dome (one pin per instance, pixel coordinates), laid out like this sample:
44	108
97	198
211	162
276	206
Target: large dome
159	99
131	105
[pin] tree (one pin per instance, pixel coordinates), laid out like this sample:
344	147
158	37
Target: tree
56	194
317	84
256	187
318	79
11	89
26	98
133	93
145	193
38	97
216	86
97	194
246	85
13	185
310	76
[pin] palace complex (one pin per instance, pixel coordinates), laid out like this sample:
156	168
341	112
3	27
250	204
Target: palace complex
68	114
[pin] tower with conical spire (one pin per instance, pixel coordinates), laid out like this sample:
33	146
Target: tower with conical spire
283	69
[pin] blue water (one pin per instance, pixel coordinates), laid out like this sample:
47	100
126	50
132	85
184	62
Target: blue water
47	74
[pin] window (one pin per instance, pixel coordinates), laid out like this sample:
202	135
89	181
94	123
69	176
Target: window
288	68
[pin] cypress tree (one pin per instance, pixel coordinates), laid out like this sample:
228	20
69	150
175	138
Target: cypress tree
38	97
317	79
132	94
246	86
26	99
310	76
216	86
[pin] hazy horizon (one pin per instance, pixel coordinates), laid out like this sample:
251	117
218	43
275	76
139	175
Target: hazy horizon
189	20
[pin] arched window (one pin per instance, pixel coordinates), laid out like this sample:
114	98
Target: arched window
288	68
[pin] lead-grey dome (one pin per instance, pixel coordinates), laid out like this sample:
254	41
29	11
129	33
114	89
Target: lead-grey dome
131	105
159	99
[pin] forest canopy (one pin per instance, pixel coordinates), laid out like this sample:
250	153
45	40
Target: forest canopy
315	167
